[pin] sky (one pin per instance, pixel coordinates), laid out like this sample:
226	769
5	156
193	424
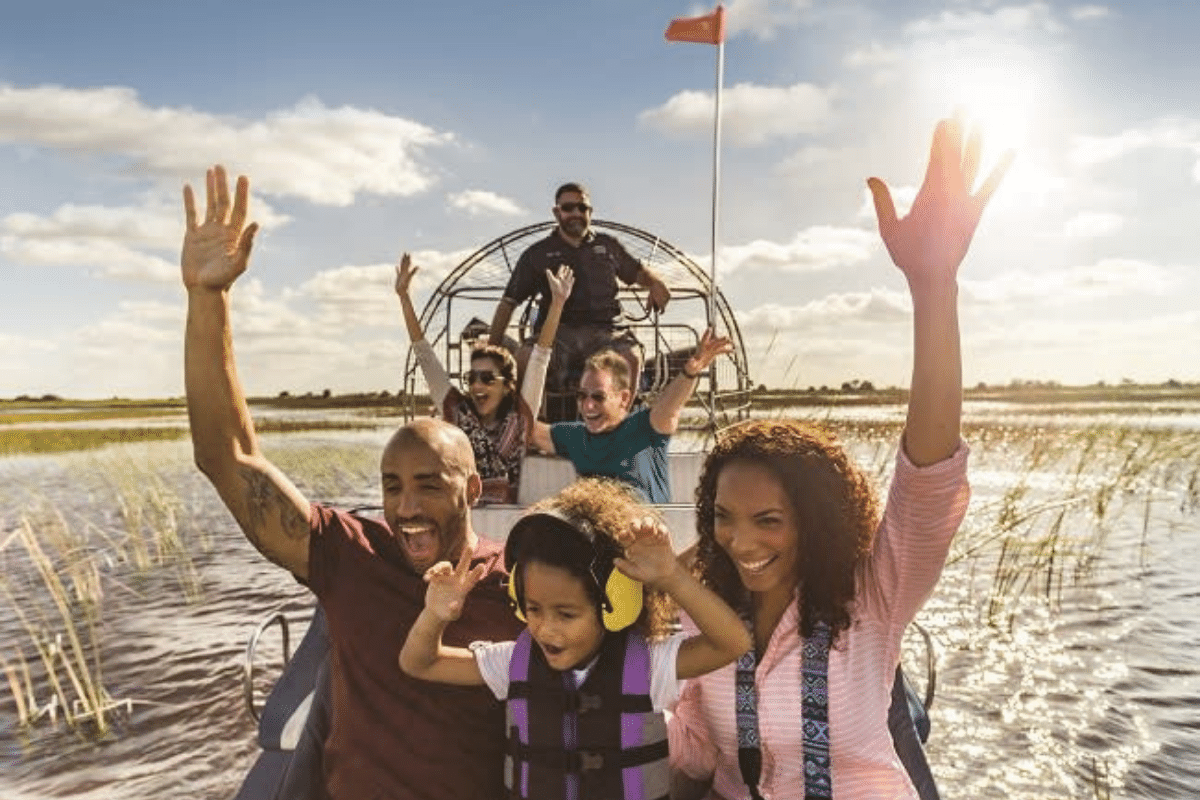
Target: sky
369	128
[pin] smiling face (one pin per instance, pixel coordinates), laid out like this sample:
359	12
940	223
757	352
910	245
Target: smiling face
562	619
486	396
753	522
429	484
573	211
602	404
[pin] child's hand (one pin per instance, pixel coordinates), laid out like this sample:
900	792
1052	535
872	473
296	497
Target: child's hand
449	586
650	558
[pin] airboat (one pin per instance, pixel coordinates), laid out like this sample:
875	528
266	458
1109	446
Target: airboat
457	314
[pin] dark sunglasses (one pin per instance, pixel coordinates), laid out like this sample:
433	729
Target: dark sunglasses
485	376
599	397
570	207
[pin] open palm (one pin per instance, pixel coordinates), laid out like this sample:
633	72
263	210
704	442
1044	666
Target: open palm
932	240
216	251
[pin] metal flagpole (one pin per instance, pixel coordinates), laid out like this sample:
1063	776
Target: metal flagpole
716	187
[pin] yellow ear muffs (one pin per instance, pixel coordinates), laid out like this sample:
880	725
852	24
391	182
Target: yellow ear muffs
623	597
624	600
514	600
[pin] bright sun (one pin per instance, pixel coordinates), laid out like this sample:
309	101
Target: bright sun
1004	95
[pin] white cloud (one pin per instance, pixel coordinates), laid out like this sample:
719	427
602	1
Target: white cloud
325	155
1090	12
1170	134
357	296
112	239
763	18
477	202
1002	21
873	55
1093	224
113	259
806	158
883	63
751	114
1107	278
817	248
876	306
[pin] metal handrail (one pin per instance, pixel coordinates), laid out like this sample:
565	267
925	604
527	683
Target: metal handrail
930	666
252	646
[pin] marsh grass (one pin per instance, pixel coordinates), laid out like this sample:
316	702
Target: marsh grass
63	637
55	571
50	440
1070	488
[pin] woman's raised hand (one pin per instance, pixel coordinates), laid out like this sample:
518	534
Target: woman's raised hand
561	283
930	242
404	274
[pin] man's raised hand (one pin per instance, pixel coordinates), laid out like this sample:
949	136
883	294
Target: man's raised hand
217	250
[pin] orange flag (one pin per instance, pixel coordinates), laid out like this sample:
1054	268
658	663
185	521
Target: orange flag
708	29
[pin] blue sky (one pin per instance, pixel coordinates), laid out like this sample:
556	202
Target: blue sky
371	127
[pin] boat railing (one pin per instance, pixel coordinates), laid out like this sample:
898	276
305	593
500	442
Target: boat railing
274	618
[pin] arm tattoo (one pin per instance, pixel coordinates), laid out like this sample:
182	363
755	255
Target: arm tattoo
263	499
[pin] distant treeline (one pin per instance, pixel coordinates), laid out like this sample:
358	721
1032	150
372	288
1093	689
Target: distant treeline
856	392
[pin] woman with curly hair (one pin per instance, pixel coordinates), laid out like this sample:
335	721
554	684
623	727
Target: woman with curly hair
790	535
498	422
587	682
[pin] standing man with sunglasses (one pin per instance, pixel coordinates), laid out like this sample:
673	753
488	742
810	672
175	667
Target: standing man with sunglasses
610	441
591	319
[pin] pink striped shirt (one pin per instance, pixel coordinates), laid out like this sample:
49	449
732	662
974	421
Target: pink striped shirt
924	509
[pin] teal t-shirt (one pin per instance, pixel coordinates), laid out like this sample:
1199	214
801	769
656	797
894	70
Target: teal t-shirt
632	452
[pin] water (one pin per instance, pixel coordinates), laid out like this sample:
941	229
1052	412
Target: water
1093	691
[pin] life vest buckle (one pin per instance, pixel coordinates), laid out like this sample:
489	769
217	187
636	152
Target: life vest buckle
588	702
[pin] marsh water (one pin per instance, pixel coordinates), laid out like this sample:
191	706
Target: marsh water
1066	619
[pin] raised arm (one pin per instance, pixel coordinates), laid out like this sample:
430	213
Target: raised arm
928	245
434	371
722	637
272	513
423	655
533	382
664	414
404	275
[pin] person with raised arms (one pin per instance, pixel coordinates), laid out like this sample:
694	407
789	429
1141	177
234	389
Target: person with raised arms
587	682
498	421
791	536
391	735
612	442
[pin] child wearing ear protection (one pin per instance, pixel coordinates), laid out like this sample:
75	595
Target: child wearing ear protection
586	683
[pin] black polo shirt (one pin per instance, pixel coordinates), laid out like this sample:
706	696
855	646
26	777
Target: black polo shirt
598	261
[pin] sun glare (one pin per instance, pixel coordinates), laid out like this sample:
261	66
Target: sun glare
1005	98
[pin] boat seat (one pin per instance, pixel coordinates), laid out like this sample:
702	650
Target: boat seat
543	476
284	727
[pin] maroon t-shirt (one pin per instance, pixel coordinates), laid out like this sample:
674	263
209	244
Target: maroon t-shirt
393	736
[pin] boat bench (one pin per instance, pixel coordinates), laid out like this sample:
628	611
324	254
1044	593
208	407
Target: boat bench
544	476
291	731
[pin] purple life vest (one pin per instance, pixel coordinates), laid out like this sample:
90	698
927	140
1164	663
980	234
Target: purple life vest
600	741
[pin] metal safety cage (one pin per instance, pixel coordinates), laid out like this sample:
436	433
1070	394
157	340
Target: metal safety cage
460	310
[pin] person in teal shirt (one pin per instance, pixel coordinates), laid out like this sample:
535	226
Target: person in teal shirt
609	440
